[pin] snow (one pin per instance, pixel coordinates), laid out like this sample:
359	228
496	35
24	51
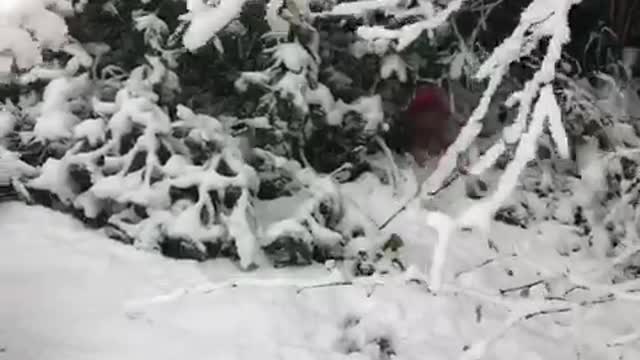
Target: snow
70	293
55	125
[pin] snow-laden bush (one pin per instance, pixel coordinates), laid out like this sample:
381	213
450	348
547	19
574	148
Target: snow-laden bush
182	185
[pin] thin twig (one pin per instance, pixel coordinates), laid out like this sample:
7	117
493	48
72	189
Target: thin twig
624	340
416	196
400	210
521	287
318	286
395	172
483	264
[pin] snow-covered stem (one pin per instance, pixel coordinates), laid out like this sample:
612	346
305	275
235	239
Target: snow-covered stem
394	172
205	288
446	228
407	34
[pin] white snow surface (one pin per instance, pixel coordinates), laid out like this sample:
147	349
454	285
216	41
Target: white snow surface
70	293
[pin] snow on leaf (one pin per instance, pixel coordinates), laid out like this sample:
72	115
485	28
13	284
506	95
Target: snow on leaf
322	96
294	86
293	56
114	186
371	109
251	78
7	123
54	177
207	21
19	42
91	206
48	28
28	26
393	64
94	130
55	125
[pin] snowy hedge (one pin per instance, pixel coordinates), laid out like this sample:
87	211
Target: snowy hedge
181	186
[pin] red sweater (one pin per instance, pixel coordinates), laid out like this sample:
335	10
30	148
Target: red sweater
430	125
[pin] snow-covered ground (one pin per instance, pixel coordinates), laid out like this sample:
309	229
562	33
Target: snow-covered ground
69	293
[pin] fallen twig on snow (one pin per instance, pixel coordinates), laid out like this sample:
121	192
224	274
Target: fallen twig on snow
521	287
205	288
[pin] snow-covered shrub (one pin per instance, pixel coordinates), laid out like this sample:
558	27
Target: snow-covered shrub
171	179
177	186
184	186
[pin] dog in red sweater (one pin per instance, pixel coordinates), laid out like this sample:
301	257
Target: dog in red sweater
428	126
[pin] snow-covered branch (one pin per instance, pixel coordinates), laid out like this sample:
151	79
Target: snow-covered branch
541	19
405	35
